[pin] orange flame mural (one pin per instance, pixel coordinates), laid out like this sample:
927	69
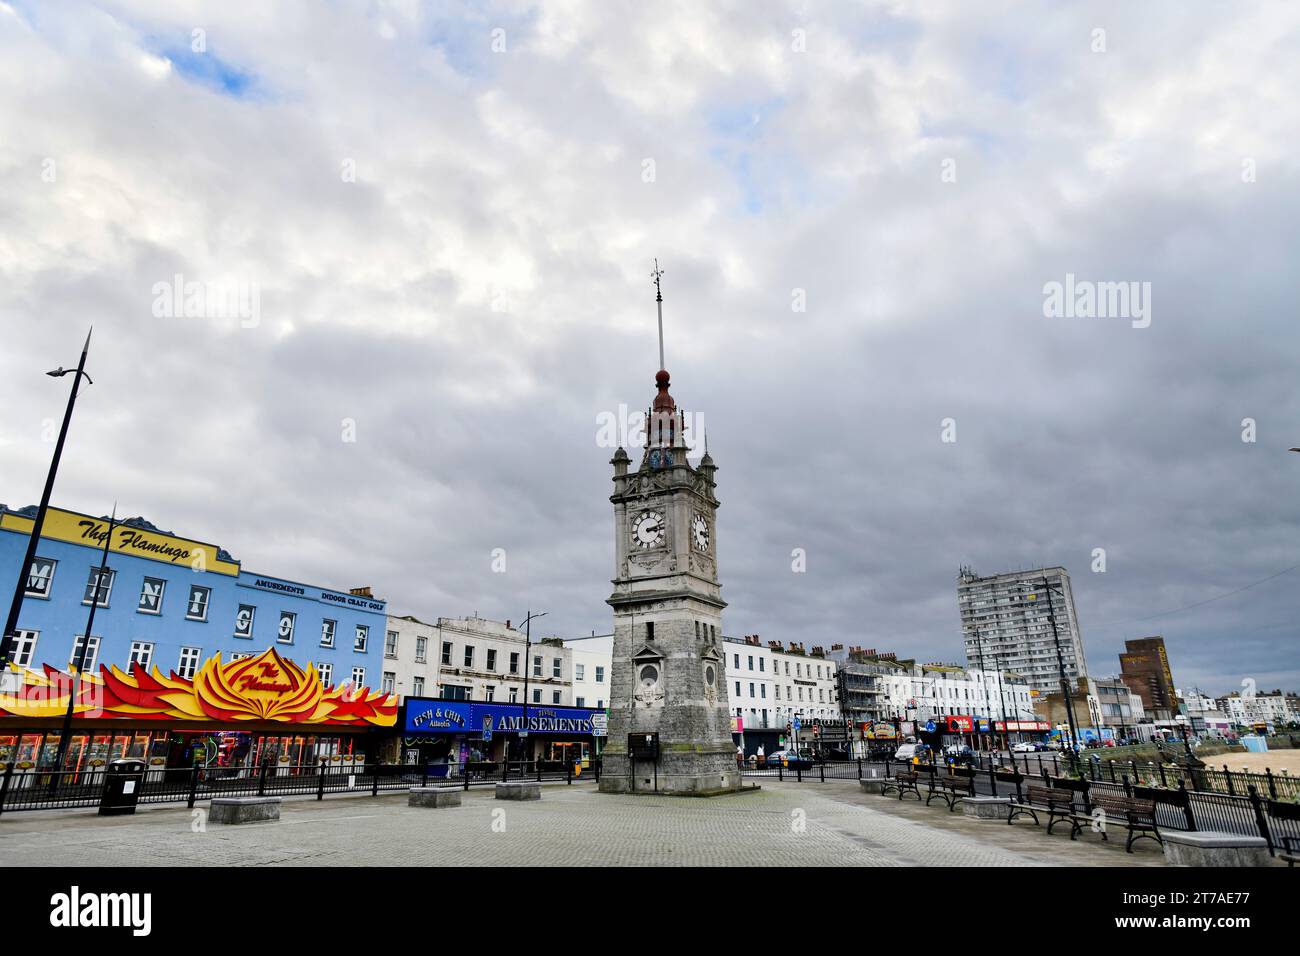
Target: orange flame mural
263	688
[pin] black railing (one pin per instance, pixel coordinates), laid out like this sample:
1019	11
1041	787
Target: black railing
45	790
1249	812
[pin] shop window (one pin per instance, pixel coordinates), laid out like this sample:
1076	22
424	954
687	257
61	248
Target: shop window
244	621
326	671
446	653
491	659
24	648
284	633
389	682
91	652
189	662
417	686
421	649
361	639
196	609
98	586
151	595
40	577
327	628
390	644
141	653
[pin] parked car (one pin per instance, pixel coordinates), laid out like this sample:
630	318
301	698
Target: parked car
790	760
1025	747
909	752
803	760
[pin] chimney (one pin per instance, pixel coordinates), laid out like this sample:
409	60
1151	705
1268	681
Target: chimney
361	592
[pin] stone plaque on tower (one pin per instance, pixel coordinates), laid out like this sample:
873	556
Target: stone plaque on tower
667	675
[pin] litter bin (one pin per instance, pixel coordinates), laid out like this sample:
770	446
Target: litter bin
122	784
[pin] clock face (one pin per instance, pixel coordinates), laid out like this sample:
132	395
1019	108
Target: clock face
648	529
700	532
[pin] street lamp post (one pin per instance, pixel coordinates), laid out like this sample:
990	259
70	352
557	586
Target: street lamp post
528	667
79	659
1065	685
11	624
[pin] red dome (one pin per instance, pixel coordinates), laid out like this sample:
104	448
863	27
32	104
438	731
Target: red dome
663	401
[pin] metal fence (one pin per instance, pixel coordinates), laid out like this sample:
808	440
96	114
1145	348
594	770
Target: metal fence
47	790
1207	779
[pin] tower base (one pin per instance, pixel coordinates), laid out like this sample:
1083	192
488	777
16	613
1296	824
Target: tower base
693	775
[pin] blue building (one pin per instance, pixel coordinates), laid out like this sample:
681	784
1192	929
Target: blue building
173	604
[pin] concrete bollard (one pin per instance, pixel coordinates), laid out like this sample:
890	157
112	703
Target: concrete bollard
237	810
435	798
519	790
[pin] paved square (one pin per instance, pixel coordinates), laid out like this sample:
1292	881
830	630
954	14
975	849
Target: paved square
811	824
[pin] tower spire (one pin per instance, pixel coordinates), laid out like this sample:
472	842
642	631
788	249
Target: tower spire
659	302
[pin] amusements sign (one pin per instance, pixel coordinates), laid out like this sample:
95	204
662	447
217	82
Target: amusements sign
469	717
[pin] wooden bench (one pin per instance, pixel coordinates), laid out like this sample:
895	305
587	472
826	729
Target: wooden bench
1057	803
904	782
1139	816
950	788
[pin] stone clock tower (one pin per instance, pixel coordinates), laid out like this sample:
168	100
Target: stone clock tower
668	675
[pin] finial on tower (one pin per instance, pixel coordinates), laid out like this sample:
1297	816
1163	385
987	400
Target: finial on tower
659	301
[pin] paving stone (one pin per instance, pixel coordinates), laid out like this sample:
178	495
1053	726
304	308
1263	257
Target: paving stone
813	824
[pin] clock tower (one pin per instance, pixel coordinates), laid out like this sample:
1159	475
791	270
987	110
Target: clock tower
668	676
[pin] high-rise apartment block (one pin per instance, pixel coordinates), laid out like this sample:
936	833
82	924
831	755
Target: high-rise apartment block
1025	622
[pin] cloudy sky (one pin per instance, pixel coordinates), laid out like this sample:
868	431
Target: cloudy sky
448	214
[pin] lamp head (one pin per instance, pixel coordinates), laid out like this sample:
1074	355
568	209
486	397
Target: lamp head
59	372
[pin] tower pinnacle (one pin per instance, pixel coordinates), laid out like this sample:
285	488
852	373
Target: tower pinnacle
659	302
